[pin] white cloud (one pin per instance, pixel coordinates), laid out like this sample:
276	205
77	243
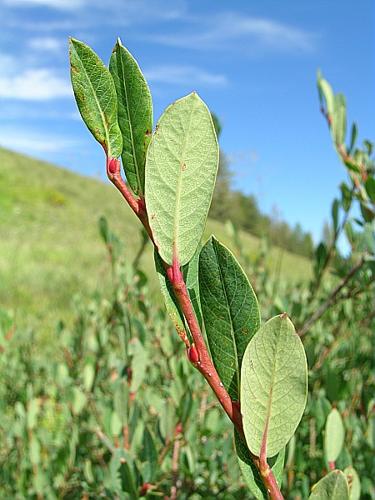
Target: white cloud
32	142
118	12
34	85
47	43
54	4
226	29
180	75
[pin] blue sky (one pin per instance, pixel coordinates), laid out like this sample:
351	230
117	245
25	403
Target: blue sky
254	63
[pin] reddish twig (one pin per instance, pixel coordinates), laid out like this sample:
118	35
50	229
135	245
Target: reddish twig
198	354
175	460
331	299
136	204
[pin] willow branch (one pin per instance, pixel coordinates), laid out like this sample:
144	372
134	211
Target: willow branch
197	352
332	298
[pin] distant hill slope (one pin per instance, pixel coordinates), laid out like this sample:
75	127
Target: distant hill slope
50	249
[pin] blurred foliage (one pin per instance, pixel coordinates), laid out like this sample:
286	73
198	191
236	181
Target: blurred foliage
113	409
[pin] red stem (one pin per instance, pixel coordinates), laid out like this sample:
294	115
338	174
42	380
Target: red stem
204	363
136	204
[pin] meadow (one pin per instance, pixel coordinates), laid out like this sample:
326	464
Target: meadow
50	245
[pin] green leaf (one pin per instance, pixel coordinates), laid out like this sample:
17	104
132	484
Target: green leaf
121	468
96	98
332	487
326	93
346	196
273	386
79	400
104	229
369	147
181	168
334	436
339	120
335	214
34	450
370	434
116	424
370	188
88	376
353	137
230	311
33	409
320	256
120	400
134	114
139	363
149	455
353	482
251	474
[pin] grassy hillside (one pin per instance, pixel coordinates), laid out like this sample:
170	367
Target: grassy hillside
50	249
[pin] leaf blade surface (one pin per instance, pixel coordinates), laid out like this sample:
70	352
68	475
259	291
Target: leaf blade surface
273	386
134	114
230	311
333	486
95	95
334	436
181	167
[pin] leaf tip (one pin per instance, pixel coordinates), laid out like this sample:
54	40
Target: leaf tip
74	41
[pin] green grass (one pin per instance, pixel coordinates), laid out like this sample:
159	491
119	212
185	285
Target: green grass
50	249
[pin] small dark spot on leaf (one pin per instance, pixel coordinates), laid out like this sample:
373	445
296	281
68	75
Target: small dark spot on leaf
183	167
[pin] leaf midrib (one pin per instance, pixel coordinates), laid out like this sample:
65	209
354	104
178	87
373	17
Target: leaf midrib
97	102
268	414
179	182
130	127
231	323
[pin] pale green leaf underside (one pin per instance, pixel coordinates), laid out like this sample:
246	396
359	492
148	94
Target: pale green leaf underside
354	483
230	311
134	114
96	98
181	167
273	385
250	472
334	436
328	95
332	487
339	119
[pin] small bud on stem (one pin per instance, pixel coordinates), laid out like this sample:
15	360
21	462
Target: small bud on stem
113	167
193	354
